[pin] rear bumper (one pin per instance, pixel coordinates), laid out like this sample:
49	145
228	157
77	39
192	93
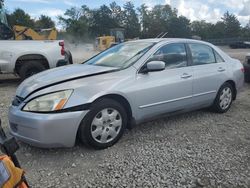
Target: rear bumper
45	130
66	61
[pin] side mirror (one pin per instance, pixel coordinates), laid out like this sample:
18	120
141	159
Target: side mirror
153	66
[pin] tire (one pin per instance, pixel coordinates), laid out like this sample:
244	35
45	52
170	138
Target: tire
100	136
70	57
30	68
219	106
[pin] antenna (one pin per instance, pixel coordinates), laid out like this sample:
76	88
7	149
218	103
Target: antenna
159	35
164	34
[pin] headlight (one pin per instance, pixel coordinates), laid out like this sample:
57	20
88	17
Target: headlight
49	102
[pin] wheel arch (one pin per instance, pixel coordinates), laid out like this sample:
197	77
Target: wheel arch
31	57
123	101
232	83
118	98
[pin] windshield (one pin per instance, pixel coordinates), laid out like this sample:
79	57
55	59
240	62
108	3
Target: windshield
122	55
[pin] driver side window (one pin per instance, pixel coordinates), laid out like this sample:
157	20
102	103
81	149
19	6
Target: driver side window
174	55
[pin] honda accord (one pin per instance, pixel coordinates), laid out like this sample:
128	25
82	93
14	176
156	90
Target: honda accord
125	85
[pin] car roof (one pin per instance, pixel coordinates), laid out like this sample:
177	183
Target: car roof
157	40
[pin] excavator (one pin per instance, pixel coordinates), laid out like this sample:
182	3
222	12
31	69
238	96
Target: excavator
21	32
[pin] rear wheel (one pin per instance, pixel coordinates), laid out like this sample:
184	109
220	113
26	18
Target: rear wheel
30	68
224	98
104	125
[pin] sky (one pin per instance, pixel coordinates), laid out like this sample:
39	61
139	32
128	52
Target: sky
209	10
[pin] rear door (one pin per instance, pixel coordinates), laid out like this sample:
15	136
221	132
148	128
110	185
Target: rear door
169	90
209	70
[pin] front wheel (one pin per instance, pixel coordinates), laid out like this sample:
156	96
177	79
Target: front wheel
223	99
104	124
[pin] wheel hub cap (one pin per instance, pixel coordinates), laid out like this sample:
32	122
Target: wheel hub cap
225	98
106	125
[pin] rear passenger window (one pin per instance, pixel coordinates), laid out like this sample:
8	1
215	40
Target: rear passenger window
174	55
218	58
202	54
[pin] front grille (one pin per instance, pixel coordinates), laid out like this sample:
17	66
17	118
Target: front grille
17	101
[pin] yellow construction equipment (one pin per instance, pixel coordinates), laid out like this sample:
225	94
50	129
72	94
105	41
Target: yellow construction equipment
105	42
26	33
21	32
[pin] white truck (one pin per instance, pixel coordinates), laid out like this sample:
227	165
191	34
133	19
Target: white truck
29	57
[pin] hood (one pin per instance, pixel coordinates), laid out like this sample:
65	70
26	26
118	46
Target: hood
57	76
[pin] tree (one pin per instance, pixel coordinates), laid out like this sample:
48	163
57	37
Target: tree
202	29
76	21
144	20
44	22
218	30
103	21
179	27
19	17
117	14
159	18
131	21
232	25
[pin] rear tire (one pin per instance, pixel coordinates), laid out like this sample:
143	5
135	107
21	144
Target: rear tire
104	124
224	98
30	68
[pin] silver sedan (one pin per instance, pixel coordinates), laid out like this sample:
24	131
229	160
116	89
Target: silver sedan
125	85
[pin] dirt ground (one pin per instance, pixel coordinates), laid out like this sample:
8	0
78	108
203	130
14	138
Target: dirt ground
197	149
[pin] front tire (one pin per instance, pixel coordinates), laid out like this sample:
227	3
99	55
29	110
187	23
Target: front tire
223	99
104	124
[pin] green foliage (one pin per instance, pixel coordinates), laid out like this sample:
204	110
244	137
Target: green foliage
202	29
44	22
19	17
117	14
145	20
179	27
141	22
131	22
158	20
102	21
76	21
232	25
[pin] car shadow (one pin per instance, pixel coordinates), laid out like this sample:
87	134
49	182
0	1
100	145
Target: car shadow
7	80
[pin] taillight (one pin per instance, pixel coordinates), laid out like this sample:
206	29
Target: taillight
242	69
62	47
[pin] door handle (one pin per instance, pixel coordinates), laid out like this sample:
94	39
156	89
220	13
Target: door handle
186	75
221	69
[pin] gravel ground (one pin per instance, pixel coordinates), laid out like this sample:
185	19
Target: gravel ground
197	149
236	53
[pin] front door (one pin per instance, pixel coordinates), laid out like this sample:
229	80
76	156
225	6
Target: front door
169	90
